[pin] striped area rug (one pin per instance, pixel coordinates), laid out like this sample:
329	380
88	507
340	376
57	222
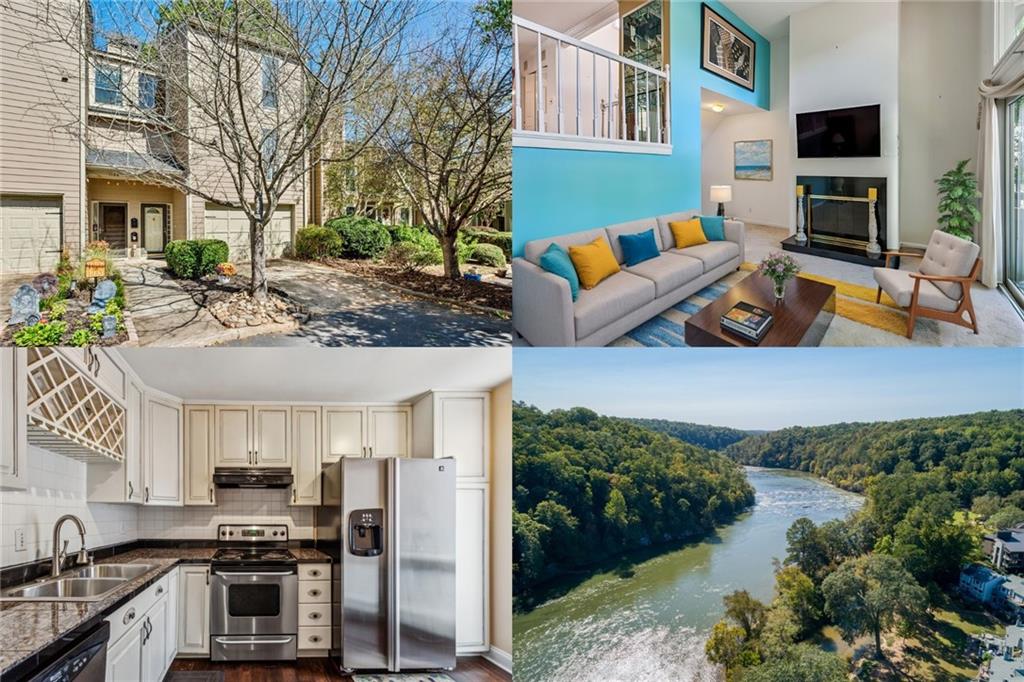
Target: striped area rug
854	302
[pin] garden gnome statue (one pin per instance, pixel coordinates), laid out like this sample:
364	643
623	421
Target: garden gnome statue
25	306
105	291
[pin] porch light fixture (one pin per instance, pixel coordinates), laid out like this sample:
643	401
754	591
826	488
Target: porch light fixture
717	108
720	194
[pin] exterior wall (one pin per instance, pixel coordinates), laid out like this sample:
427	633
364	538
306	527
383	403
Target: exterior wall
133	193
557	191
40	151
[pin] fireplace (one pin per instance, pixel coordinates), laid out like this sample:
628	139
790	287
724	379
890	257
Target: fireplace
835	211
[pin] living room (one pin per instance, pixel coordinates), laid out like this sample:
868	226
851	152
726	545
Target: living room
673	110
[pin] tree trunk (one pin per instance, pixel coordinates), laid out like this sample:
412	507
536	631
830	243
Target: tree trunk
257	245
878	643
451	257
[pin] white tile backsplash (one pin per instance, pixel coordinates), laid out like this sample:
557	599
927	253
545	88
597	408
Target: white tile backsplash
56	486
234	505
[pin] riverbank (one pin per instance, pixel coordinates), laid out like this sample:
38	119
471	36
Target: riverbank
650	623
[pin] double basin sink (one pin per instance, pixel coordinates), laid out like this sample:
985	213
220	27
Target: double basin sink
84	584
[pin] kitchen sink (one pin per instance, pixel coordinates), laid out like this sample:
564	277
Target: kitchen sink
125	571
68	589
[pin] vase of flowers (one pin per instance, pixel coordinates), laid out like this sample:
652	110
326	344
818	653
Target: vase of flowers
225	271
779	268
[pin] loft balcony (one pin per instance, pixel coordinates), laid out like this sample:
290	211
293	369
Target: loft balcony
569	93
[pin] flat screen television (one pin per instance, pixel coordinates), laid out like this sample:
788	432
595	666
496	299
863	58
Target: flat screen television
839	132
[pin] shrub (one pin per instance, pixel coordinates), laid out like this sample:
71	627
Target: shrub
48	334
82	337
361	237
489	254
314	243
464	246
403	255
57	308
503	240
195	258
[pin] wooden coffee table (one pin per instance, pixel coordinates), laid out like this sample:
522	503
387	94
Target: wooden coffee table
801	319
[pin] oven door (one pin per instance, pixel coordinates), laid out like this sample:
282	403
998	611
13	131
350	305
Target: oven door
254	601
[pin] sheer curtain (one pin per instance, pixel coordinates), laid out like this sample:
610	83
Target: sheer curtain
1007	81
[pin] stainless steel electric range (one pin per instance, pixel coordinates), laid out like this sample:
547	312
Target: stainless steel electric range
254	595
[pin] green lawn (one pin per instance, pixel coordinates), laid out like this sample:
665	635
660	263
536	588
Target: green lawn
937	654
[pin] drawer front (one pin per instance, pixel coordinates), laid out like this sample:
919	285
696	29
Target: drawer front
314	571
315	615
131	613
314	591
314	638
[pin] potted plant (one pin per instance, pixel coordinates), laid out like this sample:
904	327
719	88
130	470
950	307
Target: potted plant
958	201
225	271
779	268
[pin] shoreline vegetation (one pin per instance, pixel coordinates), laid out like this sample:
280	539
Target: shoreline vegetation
870	594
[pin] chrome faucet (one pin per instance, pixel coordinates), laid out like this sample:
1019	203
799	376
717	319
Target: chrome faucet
62	554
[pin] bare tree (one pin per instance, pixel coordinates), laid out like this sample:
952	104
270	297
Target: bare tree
451	133
240	93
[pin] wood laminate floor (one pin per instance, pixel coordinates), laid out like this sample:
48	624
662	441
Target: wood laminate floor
470	669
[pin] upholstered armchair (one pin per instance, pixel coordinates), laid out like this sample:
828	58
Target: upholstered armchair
941	287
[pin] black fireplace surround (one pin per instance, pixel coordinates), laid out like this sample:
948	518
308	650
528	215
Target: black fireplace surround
837	228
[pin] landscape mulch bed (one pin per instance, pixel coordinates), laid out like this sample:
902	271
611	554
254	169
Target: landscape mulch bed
483	294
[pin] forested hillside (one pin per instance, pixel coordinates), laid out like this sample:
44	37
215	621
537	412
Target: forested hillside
588	487
710	437
975	453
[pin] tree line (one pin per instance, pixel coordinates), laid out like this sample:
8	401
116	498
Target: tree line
702	435
589	487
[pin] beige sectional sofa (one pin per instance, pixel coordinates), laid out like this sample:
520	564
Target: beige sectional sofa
544	313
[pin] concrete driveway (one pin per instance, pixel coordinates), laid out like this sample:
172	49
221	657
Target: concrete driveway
347	310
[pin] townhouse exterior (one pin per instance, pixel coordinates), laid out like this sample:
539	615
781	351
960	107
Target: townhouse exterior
79	163
1005	549
1004	594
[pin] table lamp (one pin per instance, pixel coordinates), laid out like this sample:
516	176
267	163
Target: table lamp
721	194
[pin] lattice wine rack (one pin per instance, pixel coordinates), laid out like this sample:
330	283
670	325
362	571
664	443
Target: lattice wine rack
69	413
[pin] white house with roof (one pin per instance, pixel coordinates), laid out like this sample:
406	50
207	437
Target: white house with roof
980	583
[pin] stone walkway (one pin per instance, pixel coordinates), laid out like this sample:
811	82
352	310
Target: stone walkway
347	310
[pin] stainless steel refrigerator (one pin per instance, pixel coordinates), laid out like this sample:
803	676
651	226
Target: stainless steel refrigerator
391	525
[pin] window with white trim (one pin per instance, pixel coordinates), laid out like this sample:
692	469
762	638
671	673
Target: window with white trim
269	68
107	85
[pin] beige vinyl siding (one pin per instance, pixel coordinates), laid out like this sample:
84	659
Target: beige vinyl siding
40	151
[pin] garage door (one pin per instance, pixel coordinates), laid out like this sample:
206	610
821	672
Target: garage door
29	234
232	225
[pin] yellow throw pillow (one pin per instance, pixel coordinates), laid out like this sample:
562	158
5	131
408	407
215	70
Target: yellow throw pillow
593	262
688	233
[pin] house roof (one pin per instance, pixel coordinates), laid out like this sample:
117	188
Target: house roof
979	572
1015	584
129	161
1012	539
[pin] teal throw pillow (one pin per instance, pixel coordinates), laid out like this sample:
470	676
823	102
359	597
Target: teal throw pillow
636	248
714	227
556	261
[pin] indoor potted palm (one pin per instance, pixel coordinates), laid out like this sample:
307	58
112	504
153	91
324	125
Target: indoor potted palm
958	201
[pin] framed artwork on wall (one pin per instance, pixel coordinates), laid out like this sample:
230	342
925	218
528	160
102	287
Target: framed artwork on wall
752	160
726	51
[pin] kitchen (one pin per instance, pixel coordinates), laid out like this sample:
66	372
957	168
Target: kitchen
249	513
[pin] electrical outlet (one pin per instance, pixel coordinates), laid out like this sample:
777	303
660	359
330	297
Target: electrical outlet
19	539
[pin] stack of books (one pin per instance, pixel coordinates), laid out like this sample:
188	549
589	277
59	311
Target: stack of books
748	321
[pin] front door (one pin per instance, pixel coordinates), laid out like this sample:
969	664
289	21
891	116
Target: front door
154	220
113	223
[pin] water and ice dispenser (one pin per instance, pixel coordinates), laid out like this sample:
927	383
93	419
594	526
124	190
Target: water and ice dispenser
366	532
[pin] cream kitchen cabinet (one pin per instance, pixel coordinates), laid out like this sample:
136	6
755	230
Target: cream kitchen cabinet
366	431
124	481
104	367
455	424
13	442
138	646
162	462
472	607
199	457
194	609
253	436
306	455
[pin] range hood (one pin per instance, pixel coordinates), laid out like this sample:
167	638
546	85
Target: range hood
252	478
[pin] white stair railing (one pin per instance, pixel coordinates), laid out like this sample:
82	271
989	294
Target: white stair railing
627	102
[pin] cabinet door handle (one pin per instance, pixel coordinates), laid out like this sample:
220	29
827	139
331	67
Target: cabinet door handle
315	572
211	493
146	499
128	617
131	490
294	495
315	639
159	591
314	615
314	593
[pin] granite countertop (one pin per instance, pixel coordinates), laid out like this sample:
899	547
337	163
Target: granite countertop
29	628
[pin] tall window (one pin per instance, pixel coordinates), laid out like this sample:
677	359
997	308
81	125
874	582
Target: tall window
1015	199
269	68
108	85
151	92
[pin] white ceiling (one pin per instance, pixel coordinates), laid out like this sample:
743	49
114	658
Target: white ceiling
732	107
560	15
317	374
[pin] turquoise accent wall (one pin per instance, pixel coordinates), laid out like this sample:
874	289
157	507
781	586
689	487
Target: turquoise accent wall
555	191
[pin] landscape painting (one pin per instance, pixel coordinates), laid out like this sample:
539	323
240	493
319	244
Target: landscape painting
752	160
725	50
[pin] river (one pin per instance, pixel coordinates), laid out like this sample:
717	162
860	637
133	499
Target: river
652	625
